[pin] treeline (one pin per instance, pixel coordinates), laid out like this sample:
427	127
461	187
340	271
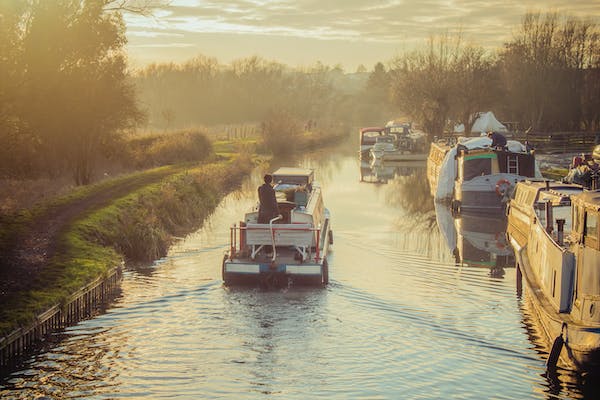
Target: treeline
67	98
204	92
546	78
64	91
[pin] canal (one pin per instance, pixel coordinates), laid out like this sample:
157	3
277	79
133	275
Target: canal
419	305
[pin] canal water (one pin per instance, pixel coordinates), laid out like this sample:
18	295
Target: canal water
419	306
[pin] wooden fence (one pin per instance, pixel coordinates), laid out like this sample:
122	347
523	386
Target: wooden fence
555	142
560	142
80	305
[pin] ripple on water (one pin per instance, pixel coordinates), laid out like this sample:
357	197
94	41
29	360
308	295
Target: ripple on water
399	320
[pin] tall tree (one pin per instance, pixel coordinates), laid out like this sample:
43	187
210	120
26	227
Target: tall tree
422	83
16	151
375	103
76	88
548	69
474	84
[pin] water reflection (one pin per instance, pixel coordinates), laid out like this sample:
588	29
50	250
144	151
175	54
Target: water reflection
476	240
272	323
385	171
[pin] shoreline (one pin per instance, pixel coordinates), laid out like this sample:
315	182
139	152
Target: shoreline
134	225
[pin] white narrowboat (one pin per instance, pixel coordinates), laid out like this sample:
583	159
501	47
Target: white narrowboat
292	248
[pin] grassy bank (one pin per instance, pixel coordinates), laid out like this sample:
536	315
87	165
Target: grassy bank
133	218
555	173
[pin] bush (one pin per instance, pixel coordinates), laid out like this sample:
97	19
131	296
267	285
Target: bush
280	132
164	149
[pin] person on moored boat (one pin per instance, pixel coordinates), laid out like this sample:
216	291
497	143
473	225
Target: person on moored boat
498	139
267	208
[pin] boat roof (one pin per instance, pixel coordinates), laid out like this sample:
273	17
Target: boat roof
372	129
294	171
555	187
558	193
589	199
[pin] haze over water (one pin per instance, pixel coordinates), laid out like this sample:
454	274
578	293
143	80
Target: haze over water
400	319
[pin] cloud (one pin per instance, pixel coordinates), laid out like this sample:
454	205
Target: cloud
398	23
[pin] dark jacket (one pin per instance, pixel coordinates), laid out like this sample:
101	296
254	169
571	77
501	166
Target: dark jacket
268	204
498	140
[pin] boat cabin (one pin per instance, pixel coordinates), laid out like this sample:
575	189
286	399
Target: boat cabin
385	139
477	162
299	199
542	202
368	137
586	213
586	235
293	176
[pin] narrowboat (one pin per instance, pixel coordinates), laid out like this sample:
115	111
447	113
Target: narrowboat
400	143
554	231
367	138
474	177
435	159
291	248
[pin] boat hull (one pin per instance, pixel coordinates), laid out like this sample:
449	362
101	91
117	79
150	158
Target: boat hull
581	348
284	267
403	156
282	273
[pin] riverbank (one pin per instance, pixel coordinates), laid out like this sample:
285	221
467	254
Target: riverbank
59	247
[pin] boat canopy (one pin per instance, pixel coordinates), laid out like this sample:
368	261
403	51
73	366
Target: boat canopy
369	135
293	176
484	122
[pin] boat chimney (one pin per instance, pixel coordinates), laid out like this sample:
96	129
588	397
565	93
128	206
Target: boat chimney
561	228
547	184
549	224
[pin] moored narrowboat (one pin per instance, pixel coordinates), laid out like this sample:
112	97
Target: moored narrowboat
474	177
367	139
554	230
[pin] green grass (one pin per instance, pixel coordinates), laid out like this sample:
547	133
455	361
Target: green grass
228	148
138	225
555	173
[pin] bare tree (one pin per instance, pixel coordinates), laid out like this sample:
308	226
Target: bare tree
548	69
474	84
422	85
142	7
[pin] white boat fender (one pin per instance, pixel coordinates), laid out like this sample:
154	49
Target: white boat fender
556	349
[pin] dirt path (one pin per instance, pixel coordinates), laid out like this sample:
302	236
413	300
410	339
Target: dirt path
38	243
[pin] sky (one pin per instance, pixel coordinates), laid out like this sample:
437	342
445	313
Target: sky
348	33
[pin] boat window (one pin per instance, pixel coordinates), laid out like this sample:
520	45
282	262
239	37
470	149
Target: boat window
591	225
385	139
476	166
369	137
576	223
